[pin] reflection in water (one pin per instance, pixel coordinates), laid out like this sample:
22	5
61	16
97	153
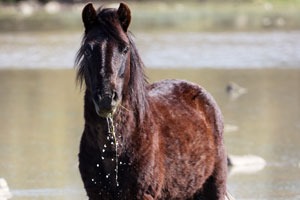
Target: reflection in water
41	123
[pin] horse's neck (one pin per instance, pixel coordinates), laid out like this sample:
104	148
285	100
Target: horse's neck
125	121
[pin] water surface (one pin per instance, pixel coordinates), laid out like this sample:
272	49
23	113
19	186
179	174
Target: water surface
41	123
161	50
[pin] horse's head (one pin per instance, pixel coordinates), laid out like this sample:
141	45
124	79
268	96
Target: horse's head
105	56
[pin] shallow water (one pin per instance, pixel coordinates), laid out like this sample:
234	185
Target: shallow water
41	123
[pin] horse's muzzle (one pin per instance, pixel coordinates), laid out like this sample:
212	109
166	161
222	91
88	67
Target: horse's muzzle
105	105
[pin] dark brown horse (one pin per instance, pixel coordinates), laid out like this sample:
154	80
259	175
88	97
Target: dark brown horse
143	141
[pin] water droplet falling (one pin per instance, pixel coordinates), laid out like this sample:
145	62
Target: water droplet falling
111	130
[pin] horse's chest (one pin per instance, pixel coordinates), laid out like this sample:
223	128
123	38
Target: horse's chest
109	176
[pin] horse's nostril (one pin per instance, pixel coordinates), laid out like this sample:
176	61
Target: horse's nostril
114	96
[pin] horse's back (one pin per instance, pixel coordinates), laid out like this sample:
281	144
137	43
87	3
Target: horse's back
190	132
187	99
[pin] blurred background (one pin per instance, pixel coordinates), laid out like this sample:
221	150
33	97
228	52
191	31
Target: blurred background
245	52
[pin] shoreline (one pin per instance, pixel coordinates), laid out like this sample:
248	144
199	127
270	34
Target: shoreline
175	16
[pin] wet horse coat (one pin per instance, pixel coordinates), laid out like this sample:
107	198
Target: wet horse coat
143	141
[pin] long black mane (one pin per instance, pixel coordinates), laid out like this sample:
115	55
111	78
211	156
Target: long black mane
136	94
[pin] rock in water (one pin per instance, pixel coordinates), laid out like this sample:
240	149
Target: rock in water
247	164
4	190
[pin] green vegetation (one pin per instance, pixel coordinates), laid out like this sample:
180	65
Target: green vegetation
201	15
212	16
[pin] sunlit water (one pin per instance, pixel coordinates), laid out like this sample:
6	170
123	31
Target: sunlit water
161	50
41	123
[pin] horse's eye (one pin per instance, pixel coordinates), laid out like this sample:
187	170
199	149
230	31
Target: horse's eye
125	50
88	52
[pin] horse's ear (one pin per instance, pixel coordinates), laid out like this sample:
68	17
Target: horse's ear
124	16
89	16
